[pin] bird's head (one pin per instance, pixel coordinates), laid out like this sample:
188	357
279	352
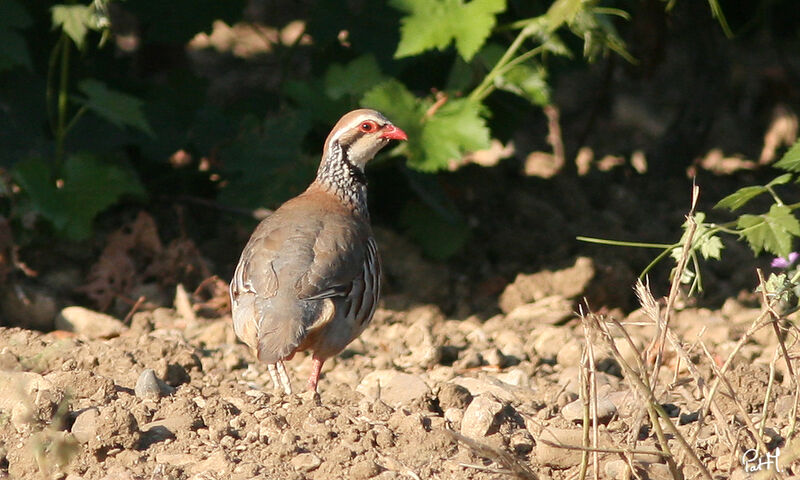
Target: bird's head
359	135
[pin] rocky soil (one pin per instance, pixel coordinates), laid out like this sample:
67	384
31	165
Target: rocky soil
171	394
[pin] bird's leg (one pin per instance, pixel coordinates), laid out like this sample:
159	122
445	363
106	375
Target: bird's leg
287	384
316	366
273	374
277	372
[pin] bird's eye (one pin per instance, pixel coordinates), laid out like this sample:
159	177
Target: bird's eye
368	127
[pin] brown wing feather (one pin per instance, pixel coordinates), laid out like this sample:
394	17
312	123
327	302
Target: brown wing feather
297	258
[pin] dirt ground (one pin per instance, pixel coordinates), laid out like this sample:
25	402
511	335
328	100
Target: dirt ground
476	369
83	404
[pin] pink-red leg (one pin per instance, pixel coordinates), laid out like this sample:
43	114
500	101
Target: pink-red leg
316	366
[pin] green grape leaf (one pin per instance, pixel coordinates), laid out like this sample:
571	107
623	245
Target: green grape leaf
791	159
711	247
433	140
739	198
528	82
355	78
394	100
708	244
118	108
74	20
90	186
772	232
456	128
434	24
780	180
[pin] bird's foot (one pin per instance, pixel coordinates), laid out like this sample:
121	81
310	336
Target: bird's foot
280	379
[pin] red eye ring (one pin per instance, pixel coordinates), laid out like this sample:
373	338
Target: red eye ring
368	126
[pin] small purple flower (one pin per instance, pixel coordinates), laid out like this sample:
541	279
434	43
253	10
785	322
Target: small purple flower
780	262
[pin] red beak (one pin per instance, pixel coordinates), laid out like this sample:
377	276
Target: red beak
394	133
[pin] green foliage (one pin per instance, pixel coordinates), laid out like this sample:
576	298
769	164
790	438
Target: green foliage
264	150
434	24
74	20
438	236
118	108
791	160
704	240
13	49
266	165
86	187
773	231
740	197
435	137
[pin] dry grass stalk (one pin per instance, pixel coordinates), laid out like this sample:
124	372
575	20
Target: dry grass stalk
732	393
776	317
650	308
768	393
638	381
513	465
584	395
619	451
758	323
593	398
589	395
663	321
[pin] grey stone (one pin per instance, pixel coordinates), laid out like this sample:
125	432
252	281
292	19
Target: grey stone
84	429
480	416
452	395
150	386
554	456
89	323
573	411
392	387
305	462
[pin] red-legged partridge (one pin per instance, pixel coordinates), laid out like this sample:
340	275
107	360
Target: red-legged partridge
310	276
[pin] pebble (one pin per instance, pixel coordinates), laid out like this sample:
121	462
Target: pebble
521	442
392	387
570	380
516	377
89	323
494	357
29	398
617	469
470	359
547	311
305	462
452	395
573	411
363	470
476	386
151	387
568	283
176	459
546	342
84	429
570	354
480	415
511	344
554	456
217	463
454	416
